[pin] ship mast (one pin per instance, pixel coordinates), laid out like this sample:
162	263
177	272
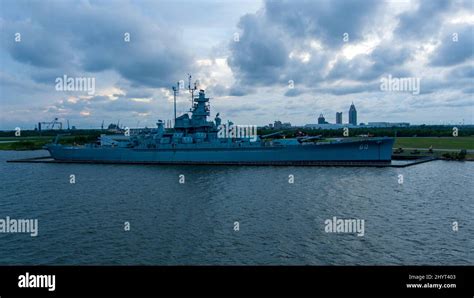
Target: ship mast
191	90
175	91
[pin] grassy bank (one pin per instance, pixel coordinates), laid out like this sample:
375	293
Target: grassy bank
36	143
443	147
454	143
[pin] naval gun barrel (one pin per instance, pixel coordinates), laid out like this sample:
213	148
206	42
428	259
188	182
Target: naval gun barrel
278	133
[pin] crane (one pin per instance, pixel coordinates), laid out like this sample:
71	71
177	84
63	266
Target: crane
50	125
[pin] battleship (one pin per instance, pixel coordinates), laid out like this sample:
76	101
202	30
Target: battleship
196	140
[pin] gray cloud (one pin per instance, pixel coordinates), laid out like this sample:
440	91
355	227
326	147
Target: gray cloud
33	48
262	57
457	50
294	92
351	89
466	71
326	20
90	38
420	23
260	54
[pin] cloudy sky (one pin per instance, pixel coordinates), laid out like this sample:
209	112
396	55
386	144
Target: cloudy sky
259	61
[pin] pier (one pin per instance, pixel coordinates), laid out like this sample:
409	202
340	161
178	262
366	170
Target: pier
399	163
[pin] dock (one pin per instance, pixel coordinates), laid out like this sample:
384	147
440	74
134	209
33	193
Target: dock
394	164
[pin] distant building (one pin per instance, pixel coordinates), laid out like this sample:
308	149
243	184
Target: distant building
113	126
388	124
328	126
321	119
353	115
279	125
338	117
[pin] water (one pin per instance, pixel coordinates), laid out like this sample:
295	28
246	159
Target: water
193	223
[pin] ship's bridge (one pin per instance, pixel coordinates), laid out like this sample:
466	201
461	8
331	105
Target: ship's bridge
198	121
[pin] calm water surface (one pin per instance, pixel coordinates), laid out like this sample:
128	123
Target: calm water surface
193	223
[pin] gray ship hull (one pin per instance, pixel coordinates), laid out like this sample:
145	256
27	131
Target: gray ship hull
373	150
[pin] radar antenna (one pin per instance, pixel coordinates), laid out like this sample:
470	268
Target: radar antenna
191	90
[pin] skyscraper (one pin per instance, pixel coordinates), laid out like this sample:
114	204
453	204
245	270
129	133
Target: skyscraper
352	115
338	117
321	119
